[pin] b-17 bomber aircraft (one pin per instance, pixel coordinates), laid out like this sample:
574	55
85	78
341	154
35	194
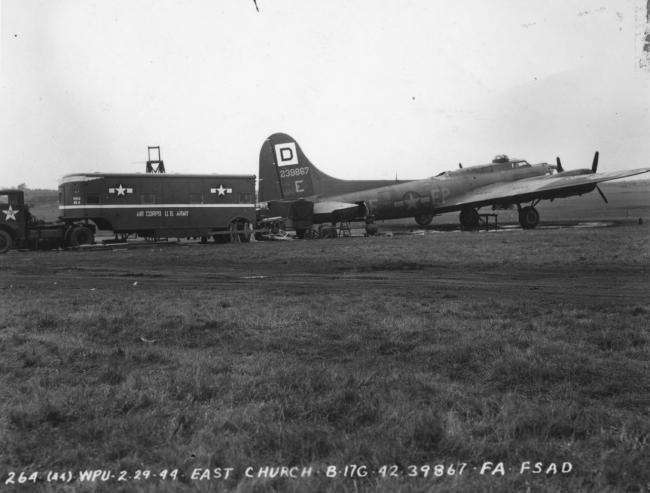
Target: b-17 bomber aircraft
296	189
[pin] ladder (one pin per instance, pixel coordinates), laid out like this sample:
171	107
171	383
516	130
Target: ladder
344	229
155	165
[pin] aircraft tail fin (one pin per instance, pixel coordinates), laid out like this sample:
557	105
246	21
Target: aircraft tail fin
285	172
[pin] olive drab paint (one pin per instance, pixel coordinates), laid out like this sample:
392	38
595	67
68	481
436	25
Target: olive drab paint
159	205
287	175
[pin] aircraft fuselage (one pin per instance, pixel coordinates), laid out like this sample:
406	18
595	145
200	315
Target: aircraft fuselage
292	186
433	195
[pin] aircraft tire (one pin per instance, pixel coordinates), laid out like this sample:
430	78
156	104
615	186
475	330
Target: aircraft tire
371	229
469	219
80	235
5	242
528	217
423	219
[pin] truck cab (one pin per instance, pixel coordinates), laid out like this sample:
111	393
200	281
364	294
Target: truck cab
18	228
14	217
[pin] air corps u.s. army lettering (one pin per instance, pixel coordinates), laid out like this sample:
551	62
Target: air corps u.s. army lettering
286	154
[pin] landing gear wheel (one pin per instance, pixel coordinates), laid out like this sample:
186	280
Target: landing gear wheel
469	219
528	217
423	219
5	242
80	235
371	229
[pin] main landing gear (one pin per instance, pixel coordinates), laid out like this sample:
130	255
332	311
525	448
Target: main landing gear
423	219
469	218
528	217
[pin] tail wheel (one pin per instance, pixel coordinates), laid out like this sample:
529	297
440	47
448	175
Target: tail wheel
469	218
5	241
80	235
528	217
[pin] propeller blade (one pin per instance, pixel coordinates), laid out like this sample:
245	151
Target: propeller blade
602	194
594	165
559	165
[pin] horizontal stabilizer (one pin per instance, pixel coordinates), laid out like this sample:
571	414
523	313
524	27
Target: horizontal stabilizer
334	207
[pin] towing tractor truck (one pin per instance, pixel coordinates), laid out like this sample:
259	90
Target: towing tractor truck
19	229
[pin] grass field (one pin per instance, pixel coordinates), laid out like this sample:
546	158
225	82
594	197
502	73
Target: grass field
414	355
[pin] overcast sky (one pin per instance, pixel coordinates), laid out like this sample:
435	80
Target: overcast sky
369	89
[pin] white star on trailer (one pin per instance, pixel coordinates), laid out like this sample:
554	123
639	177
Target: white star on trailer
221	190
120	190
10	214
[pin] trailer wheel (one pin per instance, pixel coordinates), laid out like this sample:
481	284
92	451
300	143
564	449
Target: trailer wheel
80	235
245	232
5	241
240	232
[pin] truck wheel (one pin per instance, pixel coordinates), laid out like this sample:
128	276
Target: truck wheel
81	235
5	242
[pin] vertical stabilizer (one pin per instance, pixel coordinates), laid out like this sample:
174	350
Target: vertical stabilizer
285	172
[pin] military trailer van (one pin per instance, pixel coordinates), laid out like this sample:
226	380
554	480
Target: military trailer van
156	205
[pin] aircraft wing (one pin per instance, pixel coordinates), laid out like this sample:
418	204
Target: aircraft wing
546	187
